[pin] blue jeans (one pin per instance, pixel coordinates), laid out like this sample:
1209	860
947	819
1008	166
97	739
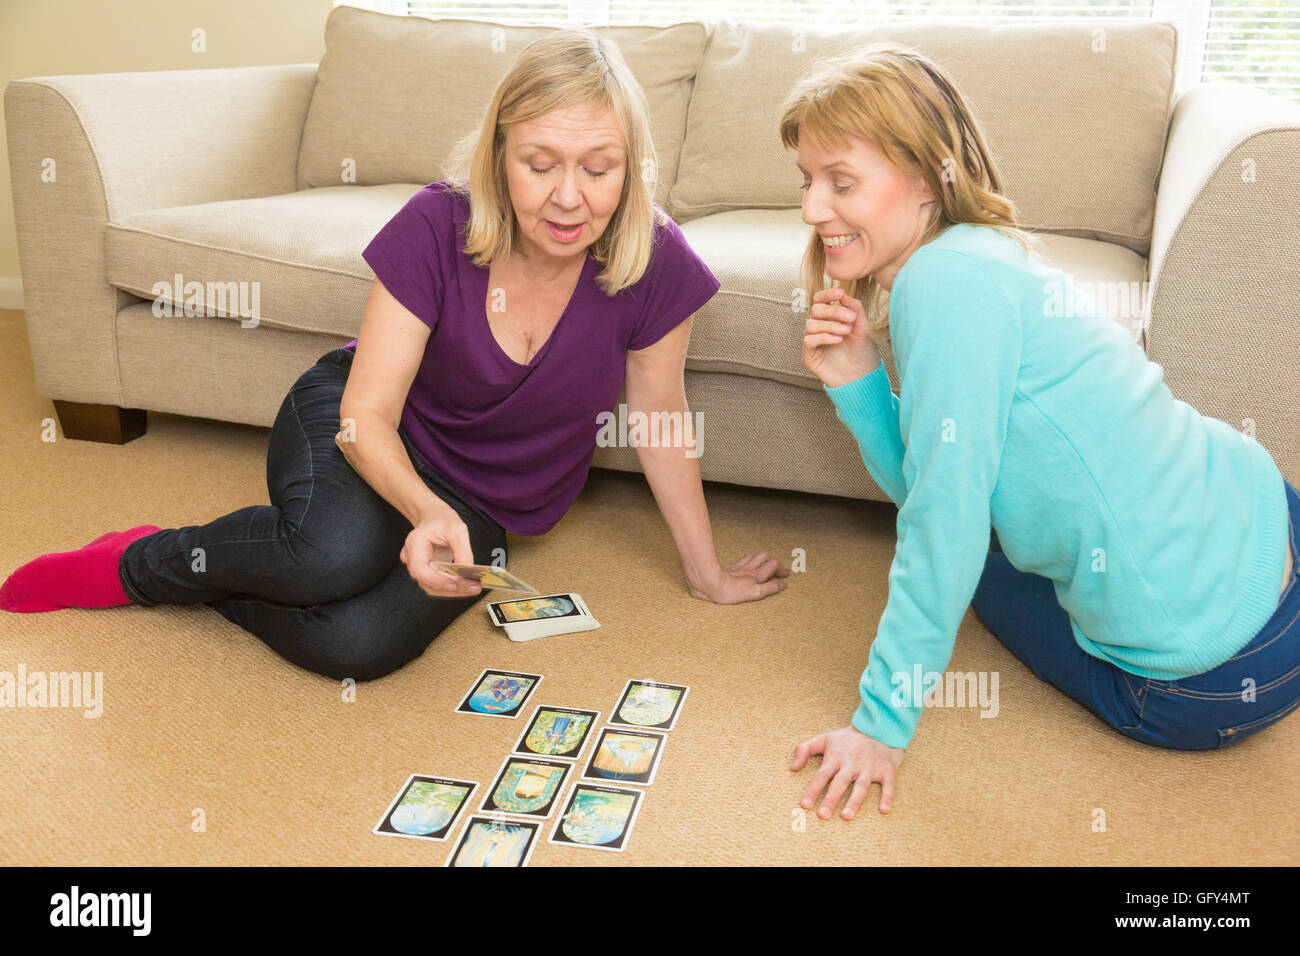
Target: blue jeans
316	574
1201	712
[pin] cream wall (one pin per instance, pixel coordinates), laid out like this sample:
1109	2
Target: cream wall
51	37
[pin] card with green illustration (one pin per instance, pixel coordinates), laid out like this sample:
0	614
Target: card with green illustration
557	732
426	807
596	817
649	705
526	787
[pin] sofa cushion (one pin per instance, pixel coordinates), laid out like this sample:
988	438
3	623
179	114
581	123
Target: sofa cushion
395	93
751	328
303	249
1075	116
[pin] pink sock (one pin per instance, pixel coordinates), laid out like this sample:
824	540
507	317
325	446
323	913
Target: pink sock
86	577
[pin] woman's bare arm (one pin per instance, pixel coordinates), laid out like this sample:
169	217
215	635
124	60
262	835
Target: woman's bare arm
390	348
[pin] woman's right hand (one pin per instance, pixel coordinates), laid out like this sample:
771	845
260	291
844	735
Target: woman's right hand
836	345
442	536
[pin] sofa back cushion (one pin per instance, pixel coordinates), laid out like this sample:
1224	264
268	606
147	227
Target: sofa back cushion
1075	115
395	93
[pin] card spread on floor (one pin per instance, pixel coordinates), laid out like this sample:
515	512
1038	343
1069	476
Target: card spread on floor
597	817
557	732
485	576
426	807
625	756
649	704
499	693
526	786
495	841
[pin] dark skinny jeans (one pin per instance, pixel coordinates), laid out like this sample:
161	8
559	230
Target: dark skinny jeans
316	574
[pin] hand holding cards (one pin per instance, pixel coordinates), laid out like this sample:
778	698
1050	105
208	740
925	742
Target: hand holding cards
529	618
485	576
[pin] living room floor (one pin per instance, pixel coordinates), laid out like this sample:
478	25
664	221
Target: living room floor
200	715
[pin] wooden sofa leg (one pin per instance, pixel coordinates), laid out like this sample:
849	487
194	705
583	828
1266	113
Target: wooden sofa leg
103	423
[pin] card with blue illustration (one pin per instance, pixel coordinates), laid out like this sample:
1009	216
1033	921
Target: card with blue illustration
526	786
495	841
597	817
625	756
426	807
649	705
557	732
499	693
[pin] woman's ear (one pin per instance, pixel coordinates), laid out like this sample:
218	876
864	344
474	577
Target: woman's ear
922	188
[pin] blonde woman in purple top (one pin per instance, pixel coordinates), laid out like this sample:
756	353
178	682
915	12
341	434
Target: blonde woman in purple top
511	305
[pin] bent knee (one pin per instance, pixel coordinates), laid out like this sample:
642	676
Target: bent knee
334	570
369	653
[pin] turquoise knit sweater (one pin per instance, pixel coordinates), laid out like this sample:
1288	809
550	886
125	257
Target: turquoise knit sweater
1163	531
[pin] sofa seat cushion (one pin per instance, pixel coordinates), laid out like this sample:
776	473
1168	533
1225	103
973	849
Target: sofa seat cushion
751	327
303	249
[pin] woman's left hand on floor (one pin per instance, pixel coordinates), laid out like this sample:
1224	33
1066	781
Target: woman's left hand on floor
752	578
849	759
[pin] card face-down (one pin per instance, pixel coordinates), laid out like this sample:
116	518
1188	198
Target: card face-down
557	732
625	756
545	607
526	786
649	705
495	841
426	807
499	693
597	817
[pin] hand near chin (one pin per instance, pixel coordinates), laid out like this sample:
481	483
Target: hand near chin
837	347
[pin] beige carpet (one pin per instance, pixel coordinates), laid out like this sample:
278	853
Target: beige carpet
198	714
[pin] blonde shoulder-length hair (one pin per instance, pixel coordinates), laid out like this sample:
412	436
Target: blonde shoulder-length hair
911	110
558	70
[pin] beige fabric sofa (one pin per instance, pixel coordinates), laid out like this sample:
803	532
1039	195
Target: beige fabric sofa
280	176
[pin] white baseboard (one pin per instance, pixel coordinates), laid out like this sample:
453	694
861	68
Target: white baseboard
11	292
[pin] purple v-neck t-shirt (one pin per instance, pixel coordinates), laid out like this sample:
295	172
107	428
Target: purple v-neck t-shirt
517	440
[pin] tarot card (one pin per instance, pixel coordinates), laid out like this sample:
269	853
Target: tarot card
526	786
650	705
625	756
495	841
426	808
536	608
557	732
597	817
499	693
485	576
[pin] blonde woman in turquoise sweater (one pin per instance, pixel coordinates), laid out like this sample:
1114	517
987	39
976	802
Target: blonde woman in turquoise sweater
1147	562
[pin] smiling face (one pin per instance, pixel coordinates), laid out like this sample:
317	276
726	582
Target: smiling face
869	213
565	172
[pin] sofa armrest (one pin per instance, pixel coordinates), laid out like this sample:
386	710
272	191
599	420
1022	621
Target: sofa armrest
1224	317
84	150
